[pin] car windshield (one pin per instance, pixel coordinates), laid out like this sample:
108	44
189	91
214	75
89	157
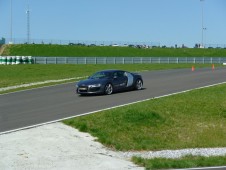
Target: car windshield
101	75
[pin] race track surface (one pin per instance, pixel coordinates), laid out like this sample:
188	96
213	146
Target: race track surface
31	107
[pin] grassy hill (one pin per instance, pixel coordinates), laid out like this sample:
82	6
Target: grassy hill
108	51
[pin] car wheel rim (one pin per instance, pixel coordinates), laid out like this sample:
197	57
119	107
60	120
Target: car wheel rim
108	89
139	85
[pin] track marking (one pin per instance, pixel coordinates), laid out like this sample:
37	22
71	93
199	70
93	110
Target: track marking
37	83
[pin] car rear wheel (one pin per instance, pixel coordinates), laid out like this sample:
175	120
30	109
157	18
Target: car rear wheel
108	89
138	84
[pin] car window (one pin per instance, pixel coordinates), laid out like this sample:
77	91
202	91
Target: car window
120	74
100	75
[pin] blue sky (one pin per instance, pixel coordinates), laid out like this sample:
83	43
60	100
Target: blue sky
167	22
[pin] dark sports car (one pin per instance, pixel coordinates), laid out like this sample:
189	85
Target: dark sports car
110	81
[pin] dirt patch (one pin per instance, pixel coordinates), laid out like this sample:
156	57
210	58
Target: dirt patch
2	50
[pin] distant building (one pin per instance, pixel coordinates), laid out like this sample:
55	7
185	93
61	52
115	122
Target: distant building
2	41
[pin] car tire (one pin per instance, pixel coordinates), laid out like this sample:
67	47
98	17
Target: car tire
108	89
138	84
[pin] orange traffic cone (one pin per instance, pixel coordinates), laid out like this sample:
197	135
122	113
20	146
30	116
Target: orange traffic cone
192	68
213	67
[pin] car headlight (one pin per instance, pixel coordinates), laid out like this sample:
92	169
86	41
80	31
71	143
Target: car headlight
94	85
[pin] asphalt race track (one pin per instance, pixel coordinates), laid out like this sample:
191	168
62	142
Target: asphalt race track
37	106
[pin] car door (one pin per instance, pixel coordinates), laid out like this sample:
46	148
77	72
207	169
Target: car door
120	80
130	79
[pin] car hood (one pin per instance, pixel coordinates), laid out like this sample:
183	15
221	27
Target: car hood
91	81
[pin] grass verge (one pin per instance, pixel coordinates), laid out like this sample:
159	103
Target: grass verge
184	162
196	119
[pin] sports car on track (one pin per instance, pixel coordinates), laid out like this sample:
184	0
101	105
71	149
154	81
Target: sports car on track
110	81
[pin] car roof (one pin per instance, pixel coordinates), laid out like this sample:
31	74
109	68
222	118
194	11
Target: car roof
113	70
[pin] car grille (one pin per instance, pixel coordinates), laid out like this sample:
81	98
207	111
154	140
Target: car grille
86	89
94	89
83	89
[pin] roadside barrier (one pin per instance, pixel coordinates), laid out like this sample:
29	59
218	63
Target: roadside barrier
4	60
8	60
30	60
18	59
129	60
13	60
24	60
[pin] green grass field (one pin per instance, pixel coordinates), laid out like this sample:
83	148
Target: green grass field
184	162
196	119
107	51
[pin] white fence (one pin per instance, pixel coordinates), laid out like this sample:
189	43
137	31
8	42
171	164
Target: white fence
110	60
128	60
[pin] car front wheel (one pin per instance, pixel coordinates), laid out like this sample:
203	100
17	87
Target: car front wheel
108	89
139	84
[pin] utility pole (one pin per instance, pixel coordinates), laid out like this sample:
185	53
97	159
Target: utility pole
28	23
203	28
11	22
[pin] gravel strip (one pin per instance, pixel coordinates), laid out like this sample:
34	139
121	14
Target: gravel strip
178	153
